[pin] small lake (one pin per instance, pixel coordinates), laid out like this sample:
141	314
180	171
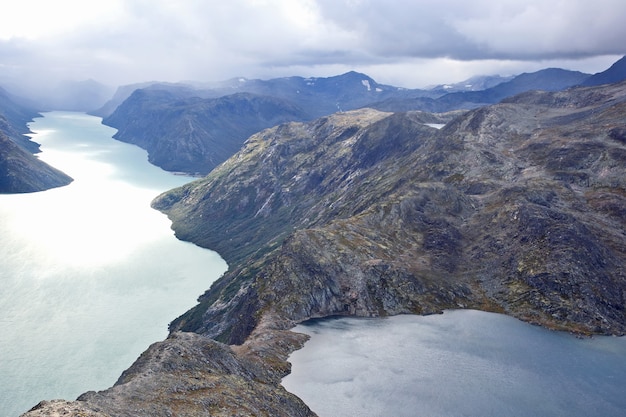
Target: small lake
91	275
460	363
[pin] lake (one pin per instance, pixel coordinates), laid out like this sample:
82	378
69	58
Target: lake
91	275
460	363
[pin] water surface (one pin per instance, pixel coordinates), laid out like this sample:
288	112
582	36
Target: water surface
461	363
91	275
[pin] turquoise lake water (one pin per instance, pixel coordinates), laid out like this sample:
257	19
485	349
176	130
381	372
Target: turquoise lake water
91	275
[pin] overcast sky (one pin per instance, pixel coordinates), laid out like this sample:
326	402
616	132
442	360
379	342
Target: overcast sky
404	43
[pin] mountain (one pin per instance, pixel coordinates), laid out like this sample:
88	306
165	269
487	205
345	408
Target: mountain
194	135
517	208
15	117
158	118
476	83
21	172
193	130
614	74
551	79
184	129
320	96
125	91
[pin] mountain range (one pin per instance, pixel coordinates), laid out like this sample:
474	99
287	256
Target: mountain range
152	117
517	207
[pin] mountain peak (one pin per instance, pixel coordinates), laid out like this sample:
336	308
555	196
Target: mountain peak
615	73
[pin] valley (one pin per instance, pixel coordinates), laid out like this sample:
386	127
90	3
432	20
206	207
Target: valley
515	206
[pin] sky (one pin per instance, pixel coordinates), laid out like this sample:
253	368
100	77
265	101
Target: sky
410	43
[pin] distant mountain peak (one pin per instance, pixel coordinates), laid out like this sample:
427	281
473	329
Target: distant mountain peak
615	73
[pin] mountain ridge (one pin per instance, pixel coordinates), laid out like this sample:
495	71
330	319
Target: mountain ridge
312	97
200	133
615	73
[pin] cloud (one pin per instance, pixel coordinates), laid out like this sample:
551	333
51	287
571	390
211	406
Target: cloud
123	41
483	29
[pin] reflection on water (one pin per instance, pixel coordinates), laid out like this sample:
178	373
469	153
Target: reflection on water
91	275
461	363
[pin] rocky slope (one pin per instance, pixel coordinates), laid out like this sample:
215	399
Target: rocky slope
192	134
15	116
21	172
518	208
192	375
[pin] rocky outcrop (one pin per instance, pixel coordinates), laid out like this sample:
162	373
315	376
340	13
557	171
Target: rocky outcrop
192	375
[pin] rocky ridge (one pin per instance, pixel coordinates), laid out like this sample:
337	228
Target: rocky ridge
517	208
